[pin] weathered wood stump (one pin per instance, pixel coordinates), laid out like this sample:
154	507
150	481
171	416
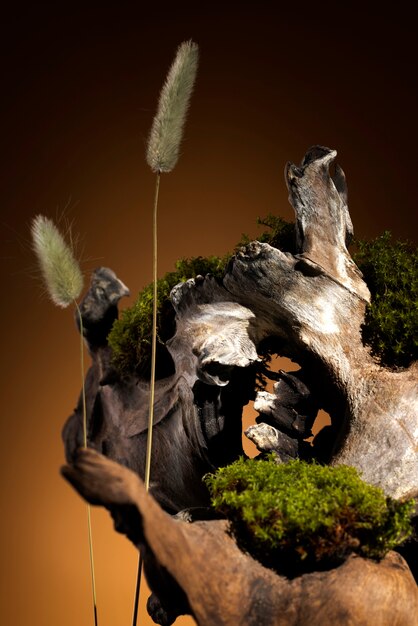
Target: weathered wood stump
311	305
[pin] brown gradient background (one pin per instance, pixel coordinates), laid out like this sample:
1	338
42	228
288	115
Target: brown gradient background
79	89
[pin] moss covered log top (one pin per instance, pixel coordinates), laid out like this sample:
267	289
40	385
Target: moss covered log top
390	270
298	516
130	337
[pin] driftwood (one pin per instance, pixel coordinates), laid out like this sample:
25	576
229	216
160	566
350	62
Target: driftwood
310	305
314	302
198	568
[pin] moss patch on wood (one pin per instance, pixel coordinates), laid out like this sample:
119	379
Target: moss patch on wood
130	337
390	269
299	516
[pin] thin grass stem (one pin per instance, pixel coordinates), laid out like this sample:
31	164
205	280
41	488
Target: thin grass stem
83	388
154	335
93	578
137	590
89	531
152	381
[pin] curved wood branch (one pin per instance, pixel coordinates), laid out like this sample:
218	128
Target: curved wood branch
225	586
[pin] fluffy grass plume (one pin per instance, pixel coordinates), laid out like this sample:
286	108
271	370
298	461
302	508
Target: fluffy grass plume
167	128
162	154
60	269
64	282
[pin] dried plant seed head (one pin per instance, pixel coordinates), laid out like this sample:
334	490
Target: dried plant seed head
167	128
60	269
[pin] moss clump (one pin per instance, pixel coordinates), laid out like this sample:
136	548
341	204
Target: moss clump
390	270
281	234
299	516
130	337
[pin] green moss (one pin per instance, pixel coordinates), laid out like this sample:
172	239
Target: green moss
281	234
300	516
390	270
130	337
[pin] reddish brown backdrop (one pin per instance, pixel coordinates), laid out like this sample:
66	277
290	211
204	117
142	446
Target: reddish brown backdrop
79	90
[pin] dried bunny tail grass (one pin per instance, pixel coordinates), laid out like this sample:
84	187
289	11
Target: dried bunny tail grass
60	269
64	282
162	154
167	128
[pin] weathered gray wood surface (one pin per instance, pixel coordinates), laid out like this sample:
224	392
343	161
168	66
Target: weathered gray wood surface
315	302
